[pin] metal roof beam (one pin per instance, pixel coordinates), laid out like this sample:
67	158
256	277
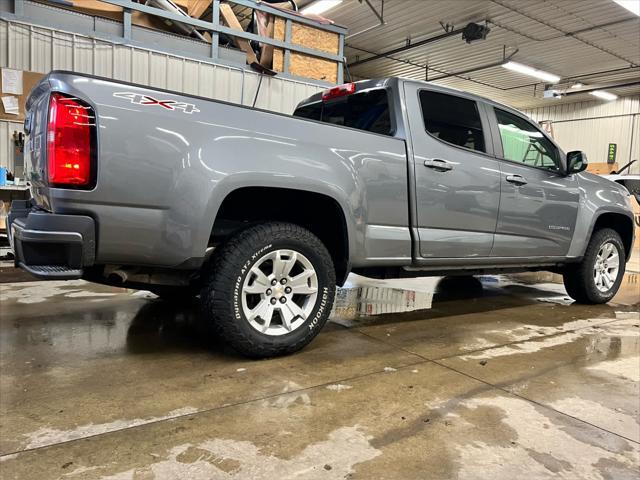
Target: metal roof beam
404	48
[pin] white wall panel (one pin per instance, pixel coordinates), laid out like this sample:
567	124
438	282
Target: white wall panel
83	50
140	61
103	54
158	72
62	53
191	77
206	80
41	44
174	72
122	64
594	136
18	45
4	41
573	111
4	145
591	126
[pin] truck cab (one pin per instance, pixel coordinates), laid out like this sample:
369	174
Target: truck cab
487	184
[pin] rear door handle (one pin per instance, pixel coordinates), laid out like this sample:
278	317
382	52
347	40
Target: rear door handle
437	164
516	179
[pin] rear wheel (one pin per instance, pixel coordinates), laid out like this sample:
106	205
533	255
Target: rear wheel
269	290
598	276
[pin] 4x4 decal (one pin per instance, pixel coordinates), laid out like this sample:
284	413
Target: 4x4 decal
140	99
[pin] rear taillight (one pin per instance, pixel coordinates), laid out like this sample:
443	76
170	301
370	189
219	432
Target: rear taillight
339	91
70	135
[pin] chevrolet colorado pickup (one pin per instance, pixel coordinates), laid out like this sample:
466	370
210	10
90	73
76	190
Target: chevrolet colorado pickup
263	214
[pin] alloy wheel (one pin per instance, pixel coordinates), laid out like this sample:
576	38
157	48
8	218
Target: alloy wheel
279	292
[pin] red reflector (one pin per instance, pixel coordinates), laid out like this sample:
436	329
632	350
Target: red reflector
339	91
69	142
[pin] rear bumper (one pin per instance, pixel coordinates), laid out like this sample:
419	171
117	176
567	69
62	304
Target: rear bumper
48	245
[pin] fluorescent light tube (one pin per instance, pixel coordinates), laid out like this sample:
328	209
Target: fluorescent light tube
577	85
603	95
320	6
532	72
632	5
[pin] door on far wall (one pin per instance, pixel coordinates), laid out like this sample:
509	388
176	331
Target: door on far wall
538	204
457	180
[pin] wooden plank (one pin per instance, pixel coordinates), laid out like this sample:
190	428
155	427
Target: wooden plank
266	56
232	22
198	7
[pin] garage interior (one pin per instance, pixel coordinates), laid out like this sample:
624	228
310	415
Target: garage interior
491	376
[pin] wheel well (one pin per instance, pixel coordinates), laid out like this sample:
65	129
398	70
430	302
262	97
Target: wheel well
621	224
318	213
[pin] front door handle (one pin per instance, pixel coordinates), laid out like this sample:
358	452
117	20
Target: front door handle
516	179
437	164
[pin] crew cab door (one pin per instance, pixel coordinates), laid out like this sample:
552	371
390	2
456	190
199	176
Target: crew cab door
457	181
539	204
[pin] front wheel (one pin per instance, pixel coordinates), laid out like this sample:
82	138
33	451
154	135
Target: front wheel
269	290
598	276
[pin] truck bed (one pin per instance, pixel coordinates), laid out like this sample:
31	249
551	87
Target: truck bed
166	161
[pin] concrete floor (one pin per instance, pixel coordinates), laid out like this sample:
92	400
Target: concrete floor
495	379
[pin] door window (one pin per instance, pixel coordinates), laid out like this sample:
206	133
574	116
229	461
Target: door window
524	143
452	119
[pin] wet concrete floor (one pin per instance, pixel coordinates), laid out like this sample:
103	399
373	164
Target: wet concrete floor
490	378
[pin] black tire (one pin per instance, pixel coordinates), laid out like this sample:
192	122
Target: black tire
224	277
579	278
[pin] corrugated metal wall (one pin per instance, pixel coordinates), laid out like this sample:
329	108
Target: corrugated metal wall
592	126
26	47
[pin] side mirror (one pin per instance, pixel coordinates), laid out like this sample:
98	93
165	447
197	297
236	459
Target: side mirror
576	162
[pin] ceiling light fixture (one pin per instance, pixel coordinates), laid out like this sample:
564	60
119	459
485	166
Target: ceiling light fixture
577	85
603	95
320	6
632	5
532	72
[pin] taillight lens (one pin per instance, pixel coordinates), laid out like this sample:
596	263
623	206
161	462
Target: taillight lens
339	91
69	142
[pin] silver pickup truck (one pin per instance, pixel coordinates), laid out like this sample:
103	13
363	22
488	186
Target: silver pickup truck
263	214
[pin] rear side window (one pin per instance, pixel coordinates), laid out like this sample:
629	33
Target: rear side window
452	119
367	110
